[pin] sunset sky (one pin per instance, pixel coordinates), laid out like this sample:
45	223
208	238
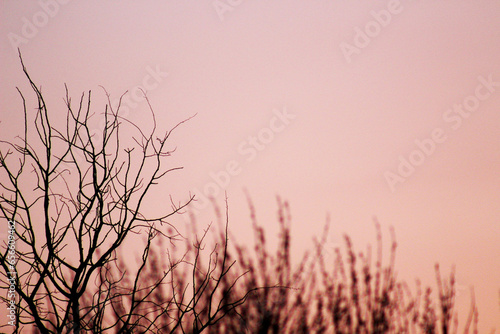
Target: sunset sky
352	109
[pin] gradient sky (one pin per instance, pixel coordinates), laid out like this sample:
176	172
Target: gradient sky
357	103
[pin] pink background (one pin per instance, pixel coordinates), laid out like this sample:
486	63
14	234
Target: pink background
354	116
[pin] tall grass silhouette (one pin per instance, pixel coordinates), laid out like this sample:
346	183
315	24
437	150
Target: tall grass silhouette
218	286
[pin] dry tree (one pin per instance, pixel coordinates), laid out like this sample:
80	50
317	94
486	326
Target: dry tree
76	198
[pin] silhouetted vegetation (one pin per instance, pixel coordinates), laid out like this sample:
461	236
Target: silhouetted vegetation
72	275
262	292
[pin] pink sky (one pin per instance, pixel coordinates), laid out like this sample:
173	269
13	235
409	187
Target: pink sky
353	115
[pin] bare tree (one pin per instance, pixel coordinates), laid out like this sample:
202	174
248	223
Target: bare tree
75	198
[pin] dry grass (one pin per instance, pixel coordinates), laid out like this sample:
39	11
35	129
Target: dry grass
213	286
232	289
